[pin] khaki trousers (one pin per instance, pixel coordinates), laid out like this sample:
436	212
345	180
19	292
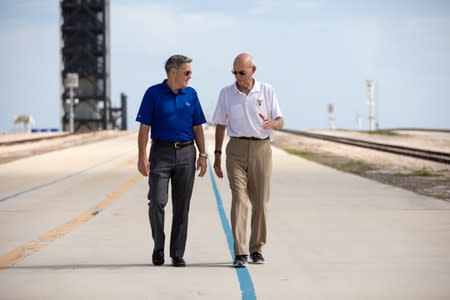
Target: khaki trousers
249	168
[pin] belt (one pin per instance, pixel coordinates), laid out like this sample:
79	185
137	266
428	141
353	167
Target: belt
175	145
251	138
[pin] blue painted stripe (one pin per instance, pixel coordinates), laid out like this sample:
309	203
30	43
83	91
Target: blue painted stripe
245	280
59	179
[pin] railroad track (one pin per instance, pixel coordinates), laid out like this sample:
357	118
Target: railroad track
442	157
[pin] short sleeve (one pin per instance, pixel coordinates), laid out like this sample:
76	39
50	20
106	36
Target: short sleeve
145	112
198	116
220	116
276	111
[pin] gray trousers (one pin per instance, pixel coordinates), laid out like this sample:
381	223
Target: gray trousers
178	167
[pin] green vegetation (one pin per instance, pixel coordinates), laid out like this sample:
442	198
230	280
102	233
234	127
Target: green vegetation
305	154
344	165
356	167
422	173
382	132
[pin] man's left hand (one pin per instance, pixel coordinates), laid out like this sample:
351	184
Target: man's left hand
267	123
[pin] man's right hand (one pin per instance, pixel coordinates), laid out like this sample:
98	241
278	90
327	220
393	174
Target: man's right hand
144	166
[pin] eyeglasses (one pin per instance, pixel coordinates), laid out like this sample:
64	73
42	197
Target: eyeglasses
242	73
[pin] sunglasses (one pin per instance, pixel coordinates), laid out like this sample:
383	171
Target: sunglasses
242	73
186	73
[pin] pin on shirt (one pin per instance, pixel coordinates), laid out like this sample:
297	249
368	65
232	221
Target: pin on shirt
259	101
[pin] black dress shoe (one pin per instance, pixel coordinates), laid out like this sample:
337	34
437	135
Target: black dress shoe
178	262
158	258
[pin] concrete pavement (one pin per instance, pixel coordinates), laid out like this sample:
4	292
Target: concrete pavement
73	224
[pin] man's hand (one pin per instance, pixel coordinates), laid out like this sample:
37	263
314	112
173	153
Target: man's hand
267	123
144	166
201	165
220	134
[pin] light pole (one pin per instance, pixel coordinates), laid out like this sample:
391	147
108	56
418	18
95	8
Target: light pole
71	82
331	117
370	91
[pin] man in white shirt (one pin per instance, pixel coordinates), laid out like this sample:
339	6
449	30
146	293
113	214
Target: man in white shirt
248	110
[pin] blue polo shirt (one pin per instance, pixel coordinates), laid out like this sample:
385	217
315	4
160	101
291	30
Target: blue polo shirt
171	116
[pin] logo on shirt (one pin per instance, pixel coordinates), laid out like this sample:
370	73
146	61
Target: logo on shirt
259	101
188	104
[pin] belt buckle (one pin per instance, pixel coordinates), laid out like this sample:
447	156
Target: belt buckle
177	145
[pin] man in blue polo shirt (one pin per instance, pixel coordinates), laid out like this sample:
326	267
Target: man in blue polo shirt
173	112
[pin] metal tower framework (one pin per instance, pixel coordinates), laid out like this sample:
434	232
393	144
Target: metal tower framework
85	51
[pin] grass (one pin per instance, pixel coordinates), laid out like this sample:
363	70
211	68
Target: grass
348	166
305	154
355	167
421	173
352	166
382	132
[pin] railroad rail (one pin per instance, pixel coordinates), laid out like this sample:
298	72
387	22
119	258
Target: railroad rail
442	157
33	139
419	129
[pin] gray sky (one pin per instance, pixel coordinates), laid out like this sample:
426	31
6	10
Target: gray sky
313	52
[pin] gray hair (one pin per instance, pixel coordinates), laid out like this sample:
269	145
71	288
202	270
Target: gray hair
176	61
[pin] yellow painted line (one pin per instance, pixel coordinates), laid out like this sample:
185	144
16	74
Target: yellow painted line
13	257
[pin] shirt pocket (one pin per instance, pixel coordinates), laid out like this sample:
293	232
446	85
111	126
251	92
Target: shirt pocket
236	111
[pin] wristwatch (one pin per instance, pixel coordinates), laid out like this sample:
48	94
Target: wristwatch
203	155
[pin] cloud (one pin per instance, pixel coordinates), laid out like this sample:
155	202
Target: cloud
29	76
307	4
262	7
364	42
141	44
158	28
429	39
25	12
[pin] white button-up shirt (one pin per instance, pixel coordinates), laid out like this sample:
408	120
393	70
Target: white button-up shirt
240	112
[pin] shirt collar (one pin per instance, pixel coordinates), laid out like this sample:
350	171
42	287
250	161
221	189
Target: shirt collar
168	89
255	89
